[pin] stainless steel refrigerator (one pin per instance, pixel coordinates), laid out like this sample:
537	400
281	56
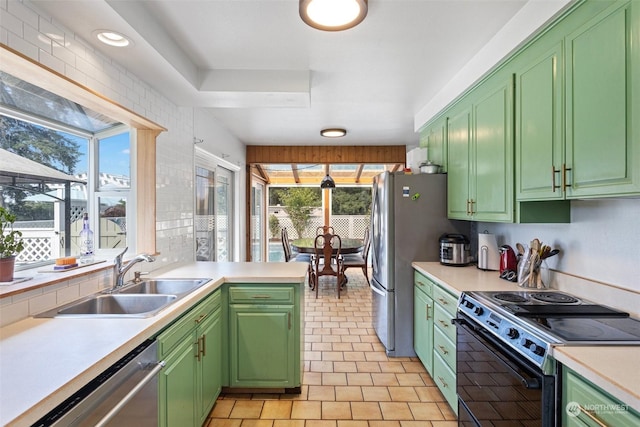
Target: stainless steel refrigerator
408	216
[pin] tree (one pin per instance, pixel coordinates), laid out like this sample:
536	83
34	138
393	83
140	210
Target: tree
274	226
351	201
299	201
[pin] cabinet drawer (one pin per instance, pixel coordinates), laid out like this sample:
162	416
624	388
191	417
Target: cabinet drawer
175	333
608	410
442	320
445	348
423	283
445	300
261	295
445	379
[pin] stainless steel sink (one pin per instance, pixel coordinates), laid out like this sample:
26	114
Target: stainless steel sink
115	305
164	286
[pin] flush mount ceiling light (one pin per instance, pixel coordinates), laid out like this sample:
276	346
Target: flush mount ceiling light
333	15
112	38
333	133
327	182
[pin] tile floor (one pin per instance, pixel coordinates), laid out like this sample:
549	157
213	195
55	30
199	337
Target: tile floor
348	379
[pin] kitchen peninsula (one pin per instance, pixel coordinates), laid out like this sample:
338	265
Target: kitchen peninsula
44	361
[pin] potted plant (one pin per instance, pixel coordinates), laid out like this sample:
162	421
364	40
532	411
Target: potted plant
10	245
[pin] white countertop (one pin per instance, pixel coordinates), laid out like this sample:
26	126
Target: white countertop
44	361
612	368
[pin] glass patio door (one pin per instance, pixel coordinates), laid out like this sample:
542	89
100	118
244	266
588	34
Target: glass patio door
257	222
214	214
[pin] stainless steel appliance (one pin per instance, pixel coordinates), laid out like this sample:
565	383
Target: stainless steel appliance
454	249
125	395
408	215
506	374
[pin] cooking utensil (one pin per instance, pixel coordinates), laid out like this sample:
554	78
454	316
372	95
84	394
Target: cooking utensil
550	253
429	167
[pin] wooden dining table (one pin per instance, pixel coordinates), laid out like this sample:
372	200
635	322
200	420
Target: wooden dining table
306	246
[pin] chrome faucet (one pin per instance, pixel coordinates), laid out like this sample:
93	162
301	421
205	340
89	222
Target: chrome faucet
119	271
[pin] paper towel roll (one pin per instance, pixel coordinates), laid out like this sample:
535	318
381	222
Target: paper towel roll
488	253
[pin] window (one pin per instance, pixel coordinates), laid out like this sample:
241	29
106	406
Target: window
93	168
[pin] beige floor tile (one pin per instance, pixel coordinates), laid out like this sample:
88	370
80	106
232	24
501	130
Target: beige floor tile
334	378
384	423
396	411
344	367
321	346
362	346
321	392
429	394
306	410
354	356
321	423
321	366
257	423
348	393
336	411
288	423
222	408
366	411
413	366
276	409
224	423
357	378
342	346
376	356
376	394
332	355
246	409
384	379
312	378
410	379
352	423
351	338
444	423
368	366
425	411
420	423
403	394
396	367
446	410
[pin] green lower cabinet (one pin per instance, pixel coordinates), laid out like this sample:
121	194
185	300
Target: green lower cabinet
262	346
191	380
586	405
423	325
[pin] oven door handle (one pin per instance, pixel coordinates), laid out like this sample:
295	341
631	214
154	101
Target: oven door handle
530	383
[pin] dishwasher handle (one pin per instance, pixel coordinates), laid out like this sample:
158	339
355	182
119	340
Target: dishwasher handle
135	390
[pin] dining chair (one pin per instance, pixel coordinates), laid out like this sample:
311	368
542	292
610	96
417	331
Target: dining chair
289	255
360	259
327	260
324	230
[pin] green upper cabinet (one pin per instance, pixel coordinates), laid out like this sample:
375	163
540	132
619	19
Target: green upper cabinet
539	131
603	104
480	151
434	139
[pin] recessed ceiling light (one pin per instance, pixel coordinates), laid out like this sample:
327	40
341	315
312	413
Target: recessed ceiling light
333	133
333	15
112	38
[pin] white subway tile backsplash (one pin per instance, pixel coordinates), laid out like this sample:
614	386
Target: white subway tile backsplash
42	303
52	62
23	13
12	23
16	42
14	312
68	294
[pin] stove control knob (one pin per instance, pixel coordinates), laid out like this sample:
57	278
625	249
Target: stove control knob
512	333
526	343
468	304
478	311
539	350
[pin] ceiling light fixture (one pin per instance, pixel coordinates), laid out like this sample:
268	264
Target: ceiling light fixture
112	38
327	182
333	133
333	15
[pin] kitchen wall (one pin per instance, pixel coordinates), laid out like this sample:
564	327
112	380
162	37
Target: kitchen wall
600	243
24	28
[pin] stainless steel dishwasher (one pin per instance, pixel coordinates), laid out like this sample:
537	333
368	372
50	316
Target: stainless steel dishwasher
124	395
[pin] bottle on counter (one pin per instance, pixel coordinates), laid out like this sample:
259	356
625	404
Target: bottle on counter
86	241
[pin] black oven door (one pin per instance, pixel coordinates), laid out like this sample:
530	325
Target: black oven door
495	386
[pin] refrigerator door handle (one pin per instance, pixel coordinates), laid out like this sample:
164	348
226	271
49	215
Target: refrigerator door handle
376	290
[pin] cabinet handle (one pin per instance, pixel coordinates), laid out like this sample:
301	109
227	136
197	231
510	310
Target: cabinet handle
443	323
201	318
468	209
564	176
419	283
261	296
198	351
444	383
553	178
427	310
591	416
443	301
443	349
204	345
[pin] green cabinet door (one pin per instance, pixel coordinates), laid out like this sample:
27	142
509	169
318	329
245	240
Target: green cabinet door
434	139
603	101
491	186
209	368
176	386
423	327
459	149
262	346
539	130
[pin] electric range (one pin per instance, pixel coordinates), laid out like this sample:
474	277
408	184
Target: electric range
504	344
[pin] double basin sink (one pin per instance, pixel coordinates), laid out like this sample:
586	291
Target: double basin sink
137	300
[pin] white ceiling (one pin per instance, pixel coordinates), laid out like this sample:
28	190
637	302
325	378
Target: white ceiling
271	79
